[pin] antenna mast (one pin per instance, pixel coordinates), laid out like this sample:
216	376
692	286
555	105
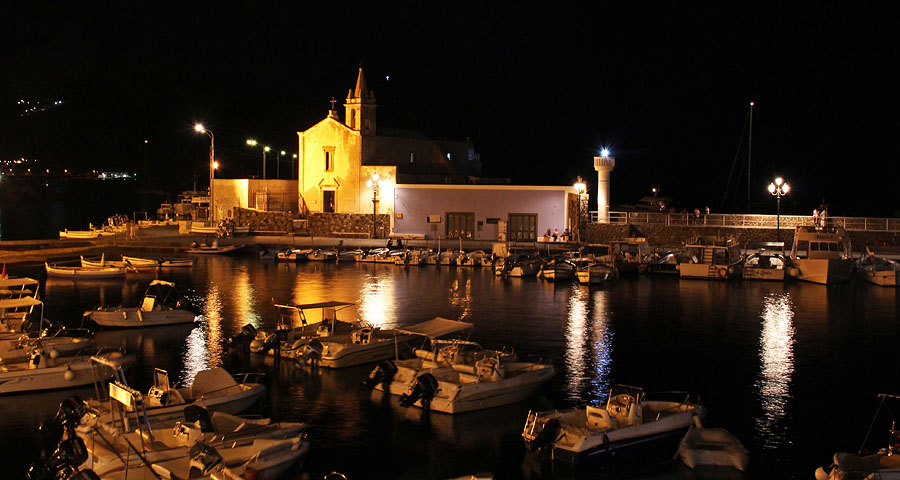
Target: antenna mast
749	155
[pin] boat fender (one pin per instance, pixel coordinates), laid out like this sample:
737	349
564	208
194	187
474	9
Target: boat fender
730	269
794	272
54	353
69	374
722	272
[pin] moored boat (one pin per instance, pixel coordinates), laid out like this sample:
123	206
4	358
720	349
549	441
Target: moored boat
714	447
558	269
877	270
883	464
42	372
630	425
162	304
165	262
630	256
596	273
766	261
711	259
215	248
84	272
822	255
457	376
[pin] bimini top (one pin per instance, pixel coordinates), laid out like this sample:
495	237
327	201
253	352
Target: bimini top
19	302
436	327
17	282
307	306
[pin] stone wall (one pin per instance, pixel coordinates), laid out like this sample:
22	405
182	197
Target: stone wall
260	221
674	235
347	224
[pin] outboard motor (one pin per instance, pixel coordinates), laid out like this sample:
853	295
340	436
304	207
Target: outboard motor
204	459
424	387
243	339
310	353
68	456
68	417
382	373
548	434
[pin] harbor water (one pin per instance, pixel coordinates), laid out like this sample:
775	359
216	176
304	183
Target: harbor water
792	370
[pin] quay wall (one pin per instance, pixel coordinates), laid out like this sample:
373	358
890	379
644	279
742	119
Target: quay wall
674	235
260	221
351	225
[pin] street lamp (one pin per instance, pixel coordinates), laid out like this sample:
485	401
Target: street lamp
373	184
779	188
265	149
580	188
212	166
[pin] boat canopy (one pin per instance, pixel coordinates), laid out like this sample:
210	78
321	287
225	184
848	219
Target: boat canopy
436	327
307	306
17	282
162	282
19	302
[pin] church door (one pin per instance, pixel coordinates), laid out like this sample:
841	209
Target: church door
328	201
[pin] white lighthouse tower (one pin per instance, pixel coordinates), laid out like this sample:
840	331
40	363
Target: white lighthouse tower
603	164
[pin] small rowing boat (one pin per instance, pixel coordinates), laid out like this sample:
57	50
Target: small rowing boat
84	272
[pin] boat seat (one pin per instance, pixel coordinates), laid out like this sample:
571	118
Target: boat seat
599	419
148	303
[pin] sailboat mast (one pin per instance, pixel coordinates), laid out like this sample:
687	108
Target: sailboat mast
749	155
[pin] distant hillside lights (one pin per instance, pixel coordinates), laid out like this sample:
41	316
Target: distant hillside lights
116	175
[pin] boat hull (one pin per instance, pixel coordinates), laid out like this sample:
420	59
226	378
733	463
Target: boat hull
20	380
134	317
882	278
824	271
658	444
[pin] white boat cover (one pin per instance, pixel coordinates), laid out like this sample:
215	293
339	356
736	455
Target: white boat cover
17	282
162	282
19	302
211	380
436	327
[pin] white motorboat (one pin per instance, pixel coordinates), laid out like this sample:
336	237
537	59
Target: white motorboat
112	448
877	270
82	234
449	257
18	298
884	464
711	259
330	342
822	255
161	305
42	372
518	266
57	343
629	425
294	254
714	447
214	389
766	261
471	259
596	274
457	376
322	255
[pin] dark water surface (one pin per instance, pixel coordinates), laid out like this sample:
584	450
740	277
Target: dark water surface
792	370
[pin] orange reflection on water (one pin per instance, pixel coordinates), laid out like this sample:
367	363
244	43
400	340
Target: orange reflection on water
776	354
376	302
203	346
244	299
461	295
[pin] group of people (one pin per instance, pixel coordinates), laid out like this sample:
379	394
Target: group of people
820	215
555	236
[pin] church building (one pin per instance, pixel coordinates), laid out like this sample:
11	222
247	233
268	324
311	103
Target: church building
427	187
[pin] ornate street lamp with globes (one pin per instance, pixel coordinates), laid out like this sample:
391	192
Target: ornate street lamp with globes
779	188
374	185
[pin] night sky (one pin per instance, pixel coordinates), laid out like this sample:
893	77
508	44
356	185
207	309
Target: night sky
540	89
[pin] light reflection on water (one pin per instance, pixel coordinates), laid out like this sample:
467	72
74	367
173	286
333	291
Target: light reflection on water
589	345
204	345
776	355
377	304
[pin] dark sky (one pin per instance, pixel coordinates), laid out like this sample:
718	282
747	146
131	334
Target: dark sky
540	89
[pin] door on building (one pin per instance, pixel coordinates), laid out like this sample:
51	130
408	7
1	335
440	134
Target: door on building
522	227
460	225
262	201
328	201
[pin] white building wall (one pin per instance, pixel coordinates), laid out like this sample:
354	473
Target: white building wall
414	203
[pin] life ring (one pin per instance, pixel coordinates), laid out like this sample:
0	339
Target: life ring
722	272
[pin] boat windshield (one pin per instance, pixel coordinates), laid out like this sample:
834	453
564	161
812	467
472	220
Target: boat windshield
634	392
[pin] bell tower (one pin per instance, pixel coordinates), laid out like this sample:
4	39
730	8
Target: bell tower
359	109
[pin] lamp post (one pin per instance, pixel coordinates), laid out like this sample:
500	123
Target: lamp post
265	149
212	166
373	184
779	188
580	188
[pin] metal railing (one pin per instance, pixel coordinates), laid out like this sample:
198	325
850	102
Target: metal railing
747	221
